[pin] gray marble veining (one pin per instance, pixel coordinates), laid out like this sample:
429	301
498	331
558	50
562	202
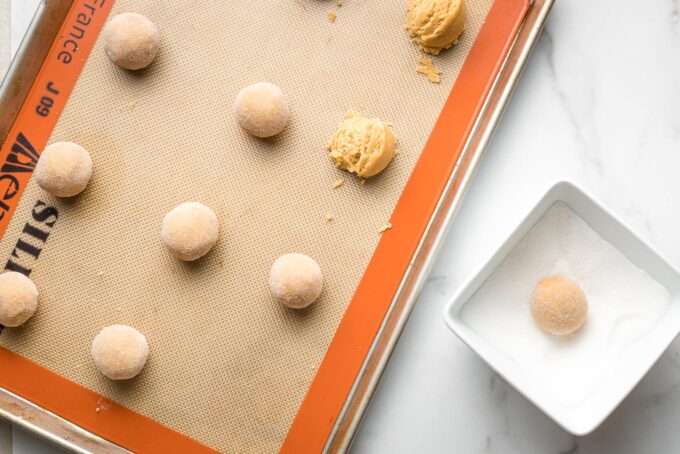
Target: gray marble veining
598	104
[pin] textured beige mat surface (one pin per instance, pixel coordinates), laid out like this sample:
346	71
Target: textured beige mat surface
228	366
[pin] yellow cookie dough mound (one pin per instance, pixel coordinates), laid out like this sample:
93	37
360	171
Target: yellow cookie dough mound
120	352
362	145
18	298
190	230
435	24
559	306
64	169
131	41
295	280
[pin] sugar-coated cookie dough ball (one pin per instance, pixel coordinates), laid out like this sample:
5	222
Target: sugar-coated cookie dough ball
559	306
131	41
362	145
120	352
190	230
295	280
18	298
261	109
64	169
435	24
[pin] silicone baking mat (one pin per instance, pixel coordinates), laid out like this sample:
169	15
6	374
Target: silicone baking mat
229	367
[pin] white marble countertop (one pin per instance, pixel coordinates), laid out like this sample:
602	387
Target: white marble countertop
599	104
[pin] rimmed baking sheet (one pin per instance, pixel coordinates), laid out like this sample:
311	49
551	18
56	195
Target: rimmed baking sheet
229	368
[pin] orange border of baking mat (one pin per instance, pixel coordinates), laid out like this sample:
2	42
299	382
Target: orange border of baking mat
366	312
358	327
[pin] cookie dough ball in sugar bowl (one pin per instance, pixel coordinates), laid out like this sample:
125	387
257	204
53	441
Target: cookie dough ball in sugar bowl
559	306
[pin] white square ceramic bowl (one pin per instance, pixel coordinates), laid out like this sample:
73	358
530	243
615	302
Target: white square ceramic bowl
639	357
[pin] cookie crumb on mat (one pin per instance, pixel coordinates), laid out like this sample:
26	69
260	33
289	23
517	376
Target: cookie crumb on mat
132	104
102	405
339	182
329	217
339	3
332	16
385	227
428	68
